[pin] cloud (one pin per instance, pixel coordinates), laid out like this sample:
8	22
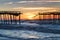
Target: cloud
38	1
25	2
20	2
52	1
9	3
28	1
33	3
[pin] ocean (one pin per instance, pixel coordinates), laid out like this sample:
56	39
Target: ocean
29	30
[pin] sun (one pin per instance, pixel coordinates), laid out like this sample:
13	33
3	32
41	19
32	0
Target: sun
30	16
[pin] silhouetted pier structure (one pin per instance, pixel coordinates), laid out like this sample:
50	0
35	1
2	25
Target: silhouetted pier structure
9	17
49	17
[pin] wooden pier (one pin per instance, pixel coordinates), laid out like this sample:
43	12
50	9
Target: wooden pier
9	17
49	17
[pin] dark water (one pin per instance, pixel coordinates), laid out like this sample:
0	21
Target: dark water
30	30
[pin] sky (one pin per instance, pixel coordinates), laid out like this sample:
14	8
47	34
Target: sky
7	4
36	6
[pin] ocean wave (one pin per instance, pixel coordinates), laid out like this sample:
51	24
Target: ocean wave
29	24
26	34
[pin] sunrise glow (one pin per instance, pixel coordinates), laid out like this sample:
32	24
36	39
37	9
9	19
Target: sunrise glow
31	13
